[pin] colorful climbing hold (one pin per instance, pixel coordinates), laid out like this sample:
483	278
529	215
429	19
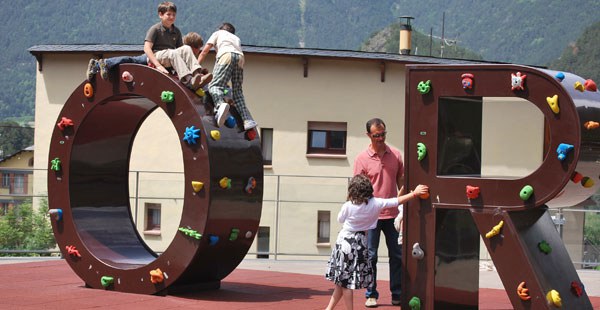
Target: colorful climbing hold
167	96
560	76
578	86
64	123
526	192
55	164
576	177
212	239
424	196
225	183
417	252
590	85
56	214
523	292
127	77
589	125
587	182
467	80
215	135
495	230
544	247
200	92
517	81
554	299
563	150
234	234
190	232
251	134
472	192
553	103
424	87
156	276
88	90
251	185
191	134
197	186
577	288
421	151
415	303
230	122
72	251
107	281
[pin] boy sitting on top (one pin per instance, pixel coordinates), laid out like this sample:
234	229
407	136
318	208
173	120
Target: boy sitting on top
163	47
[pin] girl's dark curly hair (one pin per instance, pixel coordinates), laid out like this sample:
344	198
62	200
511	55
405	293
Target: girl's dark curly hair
360	189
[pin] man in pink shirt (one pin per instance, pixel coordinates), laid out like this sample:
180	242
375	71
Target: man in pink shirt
384	167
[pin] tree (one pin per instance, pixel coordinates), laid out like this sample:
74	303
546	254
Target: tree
23	228
14	137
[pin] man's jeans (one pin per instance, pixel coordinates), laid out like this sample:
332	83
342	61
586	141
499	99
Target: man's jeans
394	253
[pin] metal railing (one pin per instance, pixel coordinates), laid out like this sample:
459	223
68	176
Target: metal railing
290	206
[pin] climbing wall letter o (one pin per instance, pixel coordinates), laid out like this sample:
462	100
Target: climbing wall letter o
92	188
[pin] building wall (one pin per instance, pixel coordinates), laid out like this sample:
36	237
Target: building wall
282	99
19	164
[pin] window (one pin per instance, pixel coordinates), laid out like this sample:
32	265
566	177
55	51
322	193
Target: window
459	136
326	138
323	226
262	242
152	216
5	180
266	140
19	182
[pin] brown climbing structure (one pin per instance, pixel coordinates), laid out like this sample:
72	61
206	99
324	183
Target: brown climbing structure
91	187
448	225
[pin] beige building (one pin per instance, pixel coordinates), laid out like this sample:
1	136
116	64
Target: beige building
17	182
311	107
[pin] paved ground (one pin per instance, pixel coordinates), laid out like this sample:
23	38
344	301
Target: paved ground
256	284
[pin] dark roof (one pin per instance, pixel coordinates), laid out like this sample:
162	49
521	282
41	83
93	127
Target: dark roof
27	149
251	49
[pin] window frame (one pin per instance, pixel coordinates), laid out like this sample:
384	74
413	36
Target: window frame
330	129
323	227
266	143
5	180
149	225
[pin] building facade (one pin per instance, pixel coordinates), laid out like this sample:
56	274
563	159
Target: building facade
311	107
16	171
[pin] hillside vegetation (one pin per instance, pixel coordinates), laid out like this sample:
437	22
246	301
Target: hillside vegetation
521	31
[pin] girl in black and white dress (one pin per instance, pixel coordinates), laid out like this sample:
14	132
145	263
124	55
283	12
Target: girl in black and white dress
349	267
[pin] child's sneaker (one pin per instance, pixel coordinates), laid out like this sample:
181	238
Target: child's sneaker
221	114
103	69
249	124
92	69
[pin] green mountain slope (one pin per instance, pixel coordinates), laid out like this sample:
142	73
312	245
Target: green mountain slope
521	31
582	56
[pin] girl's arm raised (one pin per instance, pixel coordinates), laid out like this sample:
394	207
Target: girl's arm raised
419	190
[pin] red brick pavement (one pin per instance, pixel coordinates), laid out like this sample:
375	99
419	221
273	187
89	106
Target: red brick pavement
53	285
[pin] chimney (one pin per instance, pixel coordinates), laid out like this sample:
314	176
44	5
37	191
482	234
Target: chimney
405	34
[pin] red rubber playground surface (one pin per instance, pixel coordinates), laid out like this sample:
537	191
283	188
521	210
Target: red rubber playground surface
53	285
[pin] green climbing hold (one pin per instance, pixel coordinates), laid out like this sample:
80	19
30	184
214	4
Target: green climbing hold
167	96
424	87
415	303
55	164
544	247
107	281
421	151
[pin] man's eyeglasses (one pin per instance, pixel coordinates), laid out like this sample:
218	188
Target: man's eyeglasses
378	135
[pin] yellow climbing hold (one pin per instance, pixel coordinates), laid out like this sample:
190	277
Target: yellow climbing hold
495	231
197	186
553	103
553	298
215	134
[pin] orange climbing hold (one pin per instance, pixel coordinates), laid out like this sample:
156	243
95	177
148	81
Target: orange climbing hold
88	90
156	276
589	125
72	250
